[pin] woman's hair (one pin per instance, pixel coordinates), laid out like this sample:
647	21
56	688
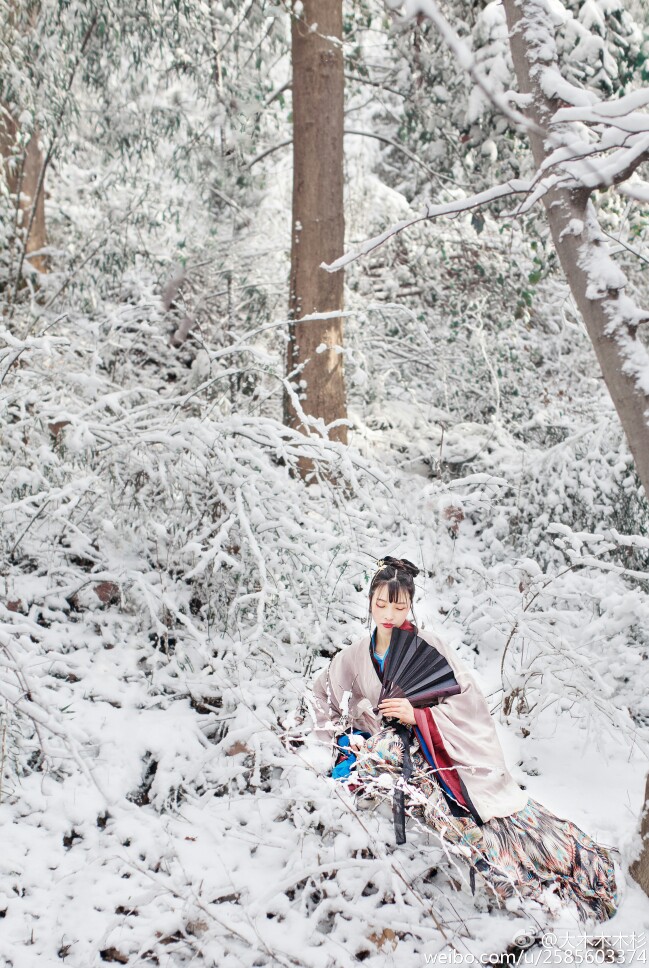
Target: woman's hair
399	575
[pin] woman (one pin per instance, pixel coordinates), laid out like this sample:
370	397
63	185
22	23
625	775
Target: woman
460	785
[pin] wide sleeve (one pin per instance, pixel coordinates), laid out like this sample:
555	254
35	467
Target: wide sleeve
327	699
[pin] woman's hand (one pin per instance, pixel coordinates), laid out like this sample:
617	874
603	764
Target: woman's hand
401	709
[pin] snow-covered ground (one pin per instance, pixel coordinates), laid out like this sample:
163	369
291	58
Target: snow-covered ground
169	590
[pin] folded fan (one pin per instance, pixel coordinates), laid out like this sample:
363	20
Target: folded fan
413	670
416	671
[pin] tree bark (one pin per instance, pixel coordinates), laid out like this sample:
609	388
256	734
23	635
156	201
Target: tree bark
22	169
610	320
22	175
318	224
581	246
639	869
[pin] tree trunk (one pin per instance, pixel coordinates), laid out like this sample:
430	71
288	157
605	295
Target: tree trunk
640	868
22	169
33	193
22	173
318	224
610	322
582	248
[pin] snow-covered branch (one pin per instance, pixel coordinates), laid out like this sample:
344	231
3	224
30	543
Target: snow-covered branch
592	144
455	207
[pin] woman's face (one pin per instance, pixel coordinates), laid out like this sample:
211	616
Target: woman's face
387	614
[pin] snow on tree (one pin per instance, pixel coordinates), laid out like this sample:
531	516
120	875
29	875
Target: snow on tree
169	585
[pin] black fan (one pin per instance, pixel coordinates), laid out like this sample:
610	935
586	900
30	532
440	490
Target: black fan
413	670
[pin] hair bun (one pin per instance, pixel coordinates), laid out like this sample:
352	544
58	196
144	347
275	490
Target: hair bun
402	564
409	567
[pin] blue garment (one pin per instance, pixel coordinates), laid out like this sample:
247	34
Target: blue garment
342	770
379	658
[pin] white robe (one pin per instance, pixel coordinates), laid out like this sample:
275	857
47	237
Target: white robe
344	693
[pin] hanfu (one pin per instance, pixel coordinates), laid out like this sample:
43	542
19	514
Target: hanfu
460	784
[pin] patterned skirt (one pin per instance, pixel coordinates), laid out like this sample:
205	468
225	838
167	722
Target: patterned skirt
521	855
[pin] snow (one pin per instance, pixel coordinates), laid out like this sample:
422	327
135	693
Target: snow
453	207
170	586
175	862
